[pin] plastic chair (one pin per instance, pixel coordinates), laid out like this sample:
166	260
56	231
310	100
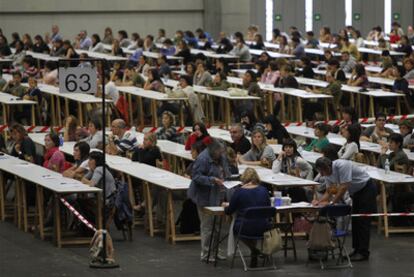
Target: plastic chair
339	233
268	213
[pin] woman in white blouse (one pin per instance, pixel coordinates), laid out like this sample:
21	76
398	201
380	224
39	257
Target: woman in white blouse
97	45
351	147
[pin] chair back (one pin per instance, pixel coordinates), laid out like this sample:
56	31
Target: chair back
259	212
360	158
401	168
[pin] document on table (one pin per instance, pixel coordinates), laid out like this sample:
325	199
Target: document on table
231	184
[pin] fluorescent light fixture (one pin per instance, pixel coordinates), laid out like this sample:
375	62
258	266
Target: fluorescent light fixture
348	12
309	15
269	19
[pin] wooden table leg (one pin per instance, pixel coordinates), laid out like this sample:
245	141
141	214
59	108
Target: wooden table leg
58	231
282	106
154	113
327	109
40	211
99	204
148	208
170	217
141	111
80	113
53	109
18	202
131	118
300	115
66	108
33	116
371	107
182	123
59	111
398	106
384	208
2	198
270	103
227	114
24	205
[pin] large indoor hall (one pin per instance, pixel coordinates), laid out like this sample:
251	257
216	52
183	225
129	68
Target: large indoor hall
207	138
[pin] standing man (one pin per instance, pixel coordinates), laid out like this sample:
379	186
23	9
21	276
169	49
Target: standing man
354	179
207	187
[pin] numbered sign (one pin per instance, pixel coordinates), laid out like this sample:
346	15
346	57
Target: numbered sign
76	79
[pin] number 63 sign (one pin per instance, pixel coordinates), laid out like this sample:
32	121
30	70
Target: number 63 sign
76	79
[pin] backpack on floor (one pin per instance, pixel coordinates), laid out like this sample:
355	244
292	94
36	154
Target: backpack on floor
188	220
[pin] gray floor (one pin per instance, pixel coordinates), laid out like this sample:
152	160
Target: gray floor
23	255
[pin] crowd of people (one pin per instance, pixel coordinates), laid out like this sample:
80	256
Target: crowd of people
252	133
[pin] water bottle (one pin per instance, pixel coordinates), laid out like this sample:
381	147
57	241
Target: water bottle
300	149
278	198
182	67
387	166
60	140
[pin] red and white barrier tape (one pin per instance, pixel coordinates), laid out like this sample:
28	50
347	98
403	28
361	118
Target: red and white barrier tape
77	214
383	214
366	119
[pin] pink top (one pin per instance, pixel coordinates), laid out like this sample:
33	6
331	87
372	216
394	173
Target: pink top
54	159
270	77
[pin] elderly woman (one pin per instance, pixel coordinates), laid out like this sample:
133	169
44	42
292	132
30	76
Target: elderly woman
207	187
260	153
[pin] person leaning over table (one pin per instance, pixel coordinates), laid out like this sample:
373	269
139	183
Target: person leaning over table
120	141
317	144
240	144
397	155
347	176
80	167
260	153
250	194
209	171
379	131
351	147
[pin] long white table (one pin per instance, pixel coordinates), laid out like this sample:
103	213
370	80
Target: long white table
7	100
155	97
44	179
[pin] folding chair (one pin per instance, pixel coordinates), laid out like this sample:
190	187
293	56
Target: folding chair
267	213
339	233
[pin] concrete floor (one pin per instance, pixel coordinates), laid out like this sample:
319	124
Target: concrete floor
23	255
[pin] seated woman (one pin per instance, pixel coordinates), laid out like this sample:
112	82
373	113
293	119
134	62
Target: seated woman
219	82
276	132
24	147
317	144
397	155
199	134
53	158
250	194
201	77
351	147
154	81
94	176
359	77
290	162
72	131
167	130
260	153
95	134
80	167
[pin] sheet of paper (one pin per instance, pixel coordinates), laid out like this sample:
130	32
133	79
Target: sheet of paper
231	184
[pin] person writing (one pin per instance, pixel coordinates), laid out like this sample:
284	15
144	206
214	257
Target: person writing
347	176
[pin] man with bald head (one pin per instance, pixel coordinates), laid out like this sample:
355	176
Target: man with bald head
240	143
121	141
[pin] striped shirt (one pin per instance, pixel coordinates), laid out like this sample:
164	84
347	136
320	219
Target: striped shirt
126	143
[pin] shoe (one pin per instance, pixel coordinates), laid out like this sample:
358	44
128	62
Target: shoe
253	262
359	258
210	260
221	257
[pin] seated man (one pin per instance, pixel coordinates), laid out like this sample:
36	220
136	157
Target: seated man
397	155
378	132
241	145
120	141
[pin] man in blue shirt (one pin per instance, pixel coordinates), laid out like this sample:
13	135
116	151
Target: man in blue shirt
83	41
354	179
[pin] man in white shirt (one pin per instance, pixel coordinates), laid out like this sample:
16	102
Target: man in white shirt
354	179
